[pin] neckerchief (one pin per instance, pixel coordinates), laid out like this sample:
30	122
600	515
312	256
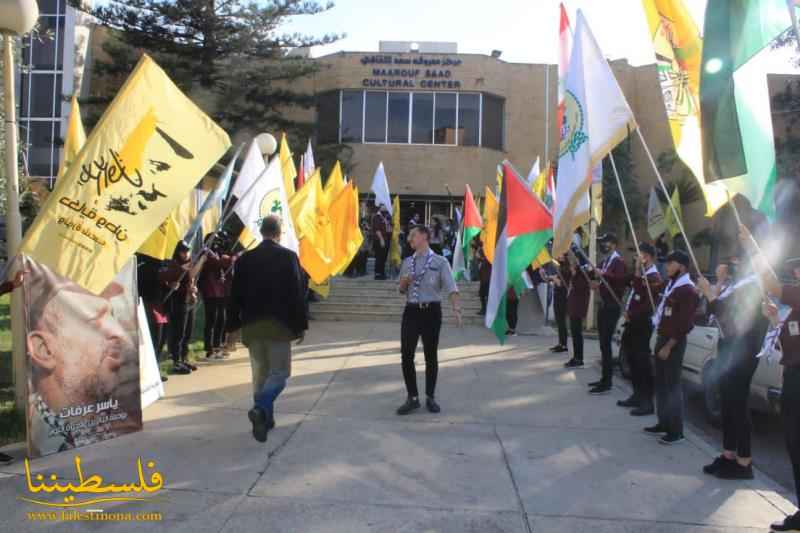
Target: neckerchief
651	270
417	280
727	291
772	337
608	260
673	284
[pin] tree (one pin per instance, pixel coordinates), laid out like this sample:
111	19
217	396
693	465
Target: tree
229	56
613	208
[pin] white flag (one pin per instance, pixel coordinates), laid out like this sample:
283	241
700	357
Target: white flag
260	192
308	162
596	118
534	173
656	224
380	187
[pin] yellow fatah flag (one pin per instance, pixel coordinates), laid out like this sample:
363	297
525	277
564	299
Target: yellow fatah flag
313	228
539	188
335	184
669	217
679	55
395	257
75	139
161	243
323	289
287	166
343	213
489	233
149	149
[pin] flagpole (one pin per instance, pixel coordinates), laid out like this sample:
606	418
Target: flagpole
602	279
546	113
669	200
792	13
630	224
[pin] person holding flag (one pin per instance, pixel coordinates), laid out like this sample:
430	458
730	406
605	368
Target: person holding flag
577	307
673	320
424	278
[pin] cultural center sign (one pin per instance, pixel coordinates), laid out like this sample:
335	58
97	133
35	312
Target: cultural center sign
418	72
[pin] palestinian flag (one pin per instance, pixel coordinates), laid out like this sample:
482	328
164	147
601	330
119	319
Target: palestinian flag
737	137
470	228
524	225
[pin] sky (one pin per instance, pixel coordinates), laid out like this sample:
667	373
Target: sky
526	31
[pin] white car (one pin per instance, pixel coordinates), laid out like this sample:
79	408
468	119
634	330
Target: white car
702	369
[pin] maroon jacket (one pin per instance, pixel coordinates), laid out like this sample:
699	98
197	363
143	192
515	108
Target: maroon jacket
640	306
616	276
678	317
212	282
577	296
6	286
791	343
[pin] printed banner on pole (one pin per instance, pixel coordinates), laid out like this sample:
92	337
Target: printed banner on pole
149	149
83	360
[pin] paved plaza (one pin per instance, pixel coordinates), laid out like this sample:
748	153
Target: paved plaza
519	446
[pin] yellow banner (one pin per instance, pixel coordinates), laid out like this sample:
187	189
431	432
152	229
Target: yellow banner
149	149
491	210
76	137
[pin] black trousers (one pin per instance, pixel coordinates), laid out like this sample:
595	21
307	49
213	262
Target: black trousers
181	325
560	312
607	318
512	308
426	323
381	253
790	412
214	331
576	330
483	293
669	389
636	343
734	389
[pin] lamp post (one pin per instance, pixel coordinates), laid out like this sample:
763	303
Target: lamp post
267	144
17	17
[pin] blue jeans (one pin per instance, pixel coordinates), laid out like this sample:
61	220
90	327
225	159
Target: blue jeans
271	363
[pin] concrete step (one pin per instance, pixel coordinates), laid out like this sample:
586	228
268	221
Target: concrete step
374	316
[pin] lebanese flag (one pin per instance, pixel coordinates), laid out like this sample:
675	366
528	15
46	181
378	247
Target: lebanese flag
524	225
470	228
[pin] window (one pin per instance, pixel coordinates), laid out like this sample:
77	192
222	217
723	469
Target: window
41	95
47	47
328	117
469	119
42	154
422	118
492	127
375	117
445	131
351	119
397	117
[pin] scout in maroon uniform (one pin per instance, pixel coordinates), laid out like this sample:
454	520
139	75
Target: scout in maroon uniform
612	270
789	295
577	305
673	320
639	328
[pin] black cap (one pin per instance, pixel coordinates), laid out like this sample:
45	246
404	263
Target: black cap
608	237
647	248
182	247
680	257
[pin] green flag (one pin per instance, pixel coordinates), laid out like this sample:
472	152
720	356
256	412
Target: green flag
737	135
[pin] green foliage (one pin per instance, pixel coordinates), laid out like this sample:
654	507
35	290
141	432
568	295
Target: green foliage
613	207
229	56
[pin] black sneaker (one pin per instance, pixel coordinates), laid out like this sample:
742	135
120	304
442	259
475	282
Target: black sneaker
630	402
643	410
259	421
655	430
190	366
595	383
716	464
670	439
733	470
573	363
790	523
180	368
600	389
164	378
432	406
558	349
6	459
412	404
